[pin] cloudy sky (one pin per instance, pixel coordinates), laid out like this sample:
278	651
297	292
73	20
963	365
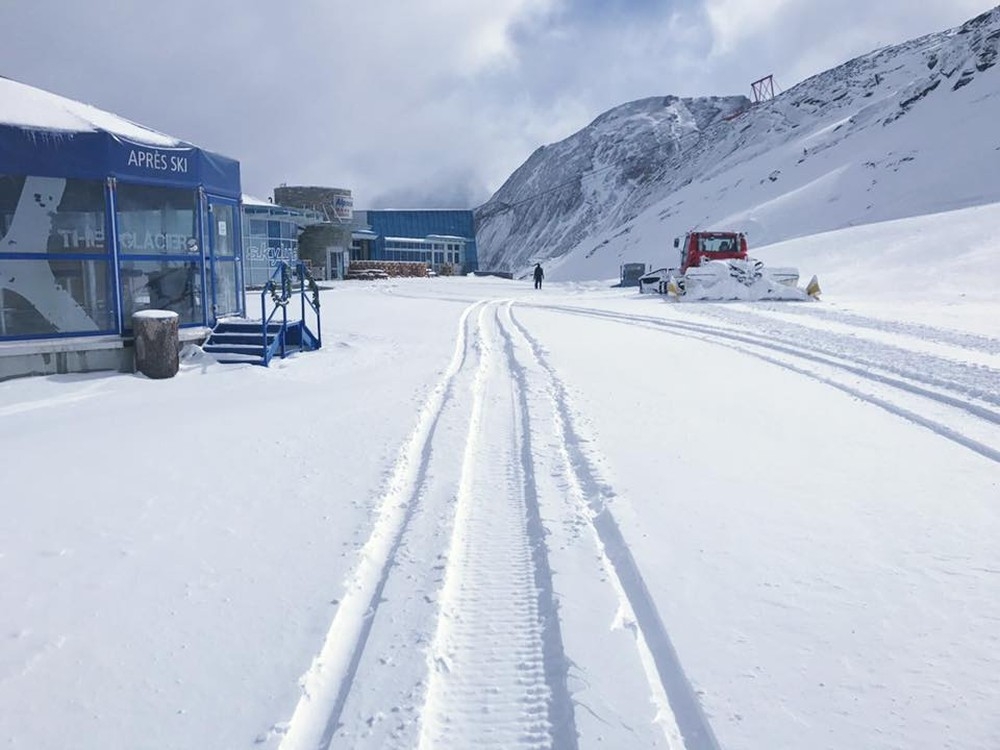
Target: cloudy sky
421	104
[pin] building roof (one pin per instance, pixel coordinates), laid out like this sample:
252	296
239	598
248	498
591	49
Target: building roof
28	107
253	200
48	135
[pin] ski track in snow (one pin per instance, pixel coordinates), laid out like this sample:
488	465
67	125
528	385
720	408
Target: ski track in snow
663	667
924	390
328	682
495	672
489	678
449	631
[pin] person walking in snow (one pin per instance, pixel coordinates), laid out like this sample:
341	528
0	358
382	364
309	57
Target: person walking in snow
539	275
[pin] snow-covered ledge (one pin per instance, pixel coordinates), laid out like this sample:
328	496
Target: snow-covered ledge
76	354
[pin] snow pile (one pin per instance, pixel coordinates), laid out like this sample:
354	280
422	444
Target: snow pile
34	109
746	280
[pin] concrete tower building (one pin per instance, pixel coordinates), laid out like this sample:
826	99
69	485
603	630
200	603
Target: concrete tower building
325	246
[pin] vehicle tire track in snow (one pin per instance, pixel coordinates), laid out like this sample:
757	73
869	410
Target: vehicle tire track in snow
962	368
971	341
328	682
561	713
656	648
807	353
497	672
745	342
962	380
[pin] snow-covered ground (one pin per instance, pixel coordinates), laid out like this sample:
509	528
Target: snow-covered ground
485	516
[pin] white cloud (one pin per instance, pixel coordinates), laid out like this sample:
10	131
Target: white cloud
487	42
429	101
733	21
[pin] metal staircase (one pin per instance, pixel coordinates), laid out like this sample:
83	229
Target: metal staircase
259	341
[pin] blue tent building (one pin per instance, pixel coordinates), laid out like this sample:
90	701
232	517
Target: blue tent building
101	217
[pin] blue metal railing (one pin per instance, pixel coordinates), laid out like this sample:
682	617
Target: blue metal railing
280	287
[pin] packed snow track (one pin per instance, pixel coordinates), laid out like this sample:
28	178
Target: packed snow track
456	608
457	627
952	397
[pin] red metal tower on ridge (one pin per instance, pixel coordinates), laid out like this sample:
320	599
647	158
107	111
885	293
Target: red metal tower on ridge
763	89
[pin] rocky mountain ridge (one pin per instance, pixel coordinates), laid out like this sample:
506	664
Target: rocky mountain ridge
901	131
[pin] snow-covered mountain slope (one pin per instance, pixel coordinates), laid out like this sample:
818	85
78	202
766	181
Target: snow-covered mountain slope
597	178
903	131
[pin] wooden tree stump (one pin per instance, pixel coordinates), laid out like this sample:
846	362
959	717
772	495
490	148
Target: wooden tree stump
156	343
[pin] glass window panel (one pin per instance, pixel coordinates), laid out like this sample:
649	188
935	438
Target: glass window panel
223	230
55	296
226	302
156	220
78	223
51	215
18	317
162	285
11	187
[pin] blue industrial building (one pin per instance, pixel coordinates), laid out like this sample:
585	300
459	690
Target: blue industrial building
444	239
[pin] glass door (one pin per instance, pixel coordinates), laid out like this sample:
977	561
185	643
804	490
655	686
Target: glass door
226	258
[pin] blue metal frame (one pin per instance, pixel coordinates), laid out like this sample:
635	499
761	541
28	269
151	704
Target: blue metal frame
111	232
205	254
56	256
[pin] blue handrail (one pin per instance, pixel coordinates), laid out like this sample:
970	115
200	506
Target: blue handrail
306	280
280	288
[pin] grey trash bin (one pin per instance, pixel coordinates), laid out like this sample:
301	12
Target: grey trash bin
157	346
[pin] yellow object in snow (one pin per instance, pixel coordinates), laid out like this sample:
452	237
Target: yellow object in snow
812	288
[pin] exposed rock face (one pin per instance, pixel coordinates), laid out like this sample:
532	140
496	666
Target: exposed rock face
594	179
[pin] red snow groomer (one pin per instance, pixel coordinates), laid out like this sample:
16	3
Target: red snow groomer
717	265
